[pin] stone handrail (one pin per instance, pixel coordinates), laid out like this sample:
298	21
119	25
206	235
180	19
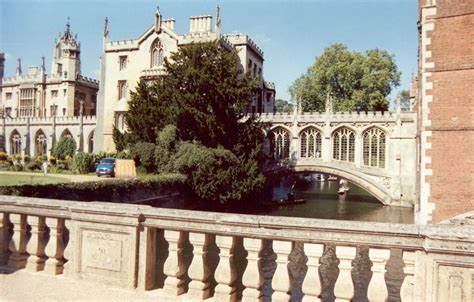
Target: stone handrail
117	244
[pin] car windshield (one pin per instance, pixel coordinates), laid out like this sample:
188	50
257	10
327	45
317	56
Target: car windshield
107	161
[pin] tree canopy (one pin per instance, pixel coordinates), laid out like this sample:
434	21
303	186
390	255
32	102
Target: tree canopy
283	105
193	117
353	80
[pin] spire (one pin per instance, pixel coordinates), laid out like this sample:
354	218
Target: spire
106	28
42	67
157	20
18	68
68	25
329	108
218	21
398	103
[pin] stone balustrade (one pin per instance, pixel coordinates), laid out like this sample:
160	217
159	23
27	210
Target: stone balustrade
192	256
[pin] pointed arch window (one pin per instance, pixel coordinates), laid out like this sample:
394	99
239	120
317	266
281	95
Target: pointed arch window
374	147
281	138
310	143
41	144
343	145
15	143
157	54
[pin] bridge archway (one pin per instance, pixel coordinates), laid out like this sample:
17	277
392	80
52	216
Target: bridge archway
373	187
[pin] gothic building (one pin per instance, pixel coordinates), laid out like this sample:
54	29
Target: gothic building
124	63
37	108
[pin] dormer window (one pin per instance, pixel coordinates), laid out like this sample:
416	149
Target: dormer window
157	54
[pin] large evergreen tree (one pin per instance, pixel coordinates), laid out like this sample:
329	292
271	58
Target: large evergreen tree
353	80
203	95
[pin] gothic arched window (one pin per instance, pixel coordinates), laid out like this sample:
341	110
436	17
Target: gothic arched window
374	148
157	54
281	138
310	143
41	143
343	144
15	143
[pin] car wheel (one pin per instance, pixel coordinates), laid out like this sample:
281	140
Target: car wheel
98	175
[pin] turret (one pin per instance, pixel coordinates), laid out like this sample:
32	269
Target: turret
66	56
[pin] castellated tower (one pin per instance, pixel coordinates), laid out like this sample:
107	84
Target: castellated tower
67	56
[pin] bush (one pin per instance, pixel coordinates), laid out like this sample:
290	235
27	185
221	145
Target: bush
3	156
33	166
66	146
144	154
166	148
83	163
26	158
52	160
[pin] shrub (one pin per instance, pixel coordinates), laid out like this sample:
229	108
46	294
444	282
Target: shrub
17	157
144	154
83	163
166	148
52	160
33	165
26	158
66	146
3	156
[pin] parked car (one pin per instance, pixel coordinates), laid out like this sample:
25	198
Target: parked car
106	166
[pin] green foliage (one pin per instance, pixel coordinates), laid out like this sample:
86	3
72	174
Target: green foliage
353	80
122	140
405	99
144	155
84	163
33	166
218	174
65	147
283	106
166	147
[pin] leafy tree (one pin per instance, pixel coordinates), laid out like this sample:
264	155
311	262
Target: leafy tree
405	99
166	147
353	80
144	154
66	146
283	105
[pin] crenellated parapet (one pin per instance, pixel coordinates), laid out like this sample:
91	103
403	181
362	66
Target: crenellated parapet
243	39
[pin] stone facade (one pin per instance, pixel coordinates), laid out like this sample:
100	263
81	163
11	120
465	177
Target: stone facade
124	63
446	109
37	108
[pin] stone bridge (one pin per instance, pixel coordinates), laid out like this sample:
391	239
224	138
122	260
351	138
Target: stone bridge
374	150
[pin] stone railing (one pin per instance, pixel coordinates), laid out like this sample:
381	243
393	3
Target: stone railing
169	253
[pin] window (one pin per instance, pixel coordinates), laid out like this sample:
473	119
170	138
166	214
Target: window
59	68
157	54
374	148
120	121
54	93
41	143
123	62
343	145
259	71
64	111
310	143
281	143
122	87
254	70
27	98
15	143
8	96
64	92
249	66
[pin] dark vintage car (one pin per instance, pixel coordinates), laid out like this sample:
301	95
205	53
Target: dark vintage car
106	166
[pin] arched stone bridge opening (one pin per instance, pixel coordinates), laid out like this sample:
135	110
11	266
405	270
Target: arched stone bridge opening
374	188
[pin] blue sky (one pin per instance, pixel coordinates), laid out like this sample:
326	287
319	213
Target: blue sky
291	33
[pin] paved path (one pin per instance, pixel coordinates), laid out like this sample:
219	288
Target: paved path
27	286
71	177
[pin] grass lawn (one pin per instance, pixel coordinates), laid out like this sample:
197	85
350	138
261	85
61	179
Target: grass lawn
16	180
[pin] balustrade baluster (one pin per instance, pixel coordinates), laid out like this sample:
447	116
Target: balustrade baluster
377	290
36	244
225	273
18	242
281	282
55	246
198	270
147	258
407	290
174	268
312	283
344	288
68	266
5	227
253	275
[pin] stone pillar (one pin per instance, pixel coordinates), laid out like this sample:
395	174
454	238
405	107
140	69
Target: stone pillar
377	290
174	268
55	246
312	284
68	266
18	241
253	276
147	258
358	148
5	227
198	270
36	244
225	273
344	288
281	282
408	286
